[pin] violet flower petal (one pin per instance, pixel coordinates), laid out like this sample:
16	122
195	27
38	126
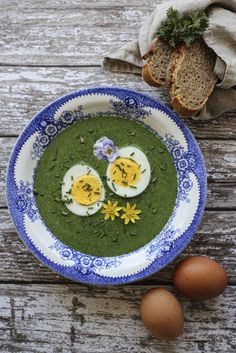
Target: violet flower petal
104	148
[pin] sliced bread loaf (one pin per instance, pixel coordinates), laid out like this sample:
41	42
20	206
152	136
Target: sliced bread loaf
158	57
191	77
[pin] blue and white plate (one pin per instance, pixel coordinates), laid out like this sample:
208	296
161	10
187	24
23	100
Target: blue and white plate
166	245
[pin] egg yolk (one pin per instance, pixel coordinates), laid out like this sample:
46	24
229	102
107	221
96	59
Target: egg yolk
125	172
86	190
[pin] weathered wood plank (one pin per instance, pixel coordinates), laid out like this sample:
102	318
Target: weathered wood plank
73	5
67	32
222	196
220	159
75	318
63	317
215	238
25	90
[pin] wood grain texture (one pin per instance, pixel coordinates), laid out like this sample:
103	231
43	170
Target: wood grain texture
26	90
67	32
75	318
215	238
220	157
48	49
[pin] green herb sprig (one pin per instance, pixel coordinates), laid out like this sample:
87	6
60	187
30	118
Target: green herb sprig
179	28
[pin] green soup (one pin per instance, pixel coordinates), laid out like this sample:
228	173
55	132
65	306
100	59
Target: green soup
92	234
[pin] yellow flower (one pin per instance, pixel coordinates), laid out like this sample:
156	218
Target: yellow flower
111	210
130	213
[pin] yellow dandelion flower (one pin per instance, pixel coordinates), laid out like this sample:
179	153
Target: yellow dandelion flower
111	210
130	213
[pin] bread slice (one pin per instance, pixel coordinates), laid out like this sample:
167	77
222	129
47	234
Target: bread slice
158	57
191	77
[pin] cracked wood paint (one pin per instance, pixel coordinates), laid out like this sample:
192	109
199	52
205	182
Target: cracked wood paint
76	318
49	49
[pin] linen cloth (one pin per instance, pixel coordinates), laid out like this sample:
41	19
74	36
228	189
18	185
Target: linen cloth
220	36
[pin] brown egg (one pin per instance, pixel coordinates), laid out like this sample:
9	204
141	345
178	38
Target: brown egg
198	277
162	314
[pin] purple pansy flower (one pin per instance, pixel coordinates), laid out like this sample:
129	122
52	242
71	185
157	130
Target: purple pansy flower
105	149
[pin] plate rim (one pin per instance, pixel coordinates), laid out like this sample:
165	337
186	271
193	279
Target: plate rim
150	269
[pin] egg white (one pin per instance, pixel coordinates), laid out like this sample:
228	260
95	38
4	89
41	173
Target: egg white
140	158
72	174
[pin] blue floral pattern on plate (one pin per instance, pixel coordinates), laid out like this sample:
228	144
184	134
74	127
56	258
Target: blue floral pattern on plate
83	263
25	201
166	245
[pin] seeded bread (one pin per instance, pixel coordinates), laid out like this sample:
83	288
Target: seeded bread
158	57
190	77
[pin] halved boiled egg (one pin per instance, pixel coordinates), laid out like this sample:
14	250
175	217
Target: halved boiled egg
82	190
130	173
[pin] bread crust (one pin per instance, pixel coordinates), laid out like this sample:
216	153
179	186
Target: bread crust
177	57
146	74
147	77
151	49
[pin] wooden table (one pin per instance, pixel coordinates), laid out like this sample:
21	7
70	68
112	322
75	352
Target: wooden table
47	49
